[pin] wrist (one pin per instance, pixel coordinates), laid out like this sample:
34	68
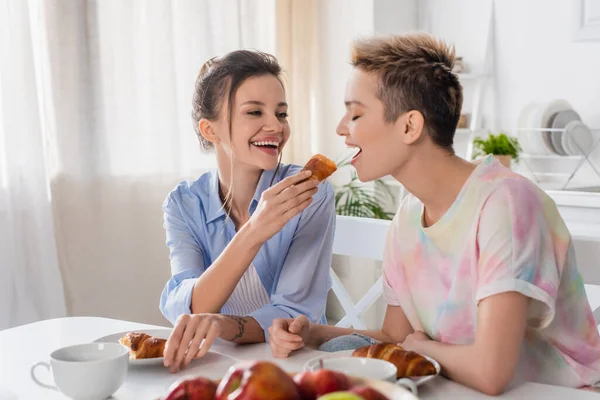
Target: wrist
315	335
232	327
423	346
249	237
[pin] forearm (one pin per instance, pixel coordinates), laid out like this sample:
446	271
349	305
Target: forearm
215	285
469	365
241	330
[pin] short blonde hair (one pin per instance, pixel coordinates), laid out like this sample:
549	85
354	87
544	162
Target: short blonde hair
415	73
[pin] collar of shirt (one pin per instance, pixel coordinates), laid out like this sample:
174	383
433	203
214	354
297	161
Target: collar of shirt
215	209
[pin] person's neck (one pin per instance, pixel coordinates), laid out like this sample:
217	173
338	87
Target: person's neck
436	178
239	184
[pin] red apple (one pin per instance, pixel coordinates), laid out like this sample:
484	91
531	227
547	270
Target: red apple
193	389
313	384
264	380
368	393
230	382
306	385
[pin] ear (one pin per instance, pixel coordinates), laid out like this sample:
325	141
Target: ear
207	131
413	126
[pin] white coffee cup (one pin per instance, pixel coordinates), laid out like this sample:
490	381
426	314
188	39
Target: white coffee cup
91	371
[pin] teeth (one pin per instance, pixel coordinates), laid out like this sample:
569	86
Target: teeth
276	144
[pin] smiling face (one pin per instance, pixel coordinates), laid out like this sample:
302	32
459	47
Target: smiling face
382	147
259	126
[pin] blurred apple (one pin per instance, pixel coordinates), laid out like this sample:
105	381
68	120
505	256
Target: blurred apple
230	382
313	384
368	393
193	389
341	396
260	380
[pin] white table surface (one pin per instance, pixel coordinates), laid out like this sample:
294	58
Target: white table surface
23	346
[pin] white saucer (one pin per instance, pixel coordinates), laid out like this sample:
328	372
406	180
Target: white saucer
158	333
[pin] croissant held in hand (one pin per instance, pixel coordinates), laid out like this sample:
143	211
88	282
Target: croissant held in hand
321	167
408	363
143	346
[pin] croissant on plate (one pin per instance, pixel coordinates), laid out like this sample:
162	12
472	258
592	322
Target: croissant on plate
408	363
142	345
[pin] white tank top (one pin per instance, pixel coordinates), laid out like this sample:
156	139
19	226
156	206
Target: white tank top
249	295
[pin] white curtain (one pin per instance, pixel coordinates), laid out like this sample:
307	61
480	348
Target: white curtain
114	138
95	103
30	282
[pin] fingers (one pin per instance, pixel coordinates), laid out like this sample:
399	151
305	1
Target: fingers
175	339
281	341
184	343
290	181
292	212
281	332
194	347
213	332
296	190
279	352
286	345
299	322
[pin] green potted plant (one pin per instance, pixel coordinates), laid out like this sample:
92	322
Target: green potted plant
505	148
357	200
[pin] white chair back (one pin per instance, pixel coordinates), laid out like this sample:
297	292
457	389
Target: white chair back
365	238
358	237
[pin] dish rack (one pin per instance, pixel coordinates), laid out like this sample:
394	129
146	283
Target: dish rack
578	170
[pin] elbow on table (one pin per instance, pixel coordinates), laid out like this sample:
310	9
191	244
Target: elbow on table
493	382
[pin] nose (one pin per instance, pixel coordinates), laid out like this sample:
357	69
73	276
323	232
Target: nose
342	128
273	125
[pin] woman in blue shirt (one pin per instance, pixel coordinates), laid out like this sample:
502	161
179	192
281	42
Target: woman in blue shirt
251	241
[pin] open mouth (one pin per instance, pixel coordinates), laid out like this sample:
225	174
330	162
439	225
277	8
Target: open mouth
268	145
358	152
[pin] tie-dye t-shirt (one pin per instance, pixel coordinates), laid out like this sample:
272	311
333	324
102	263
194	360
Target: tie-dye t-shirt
502	234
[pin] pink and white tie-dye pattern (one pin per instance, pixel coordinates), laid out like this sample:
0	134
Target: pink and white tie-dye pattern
501	234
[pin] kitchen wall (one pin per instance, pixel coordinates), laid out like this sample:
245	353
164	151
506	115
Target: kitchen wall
532	56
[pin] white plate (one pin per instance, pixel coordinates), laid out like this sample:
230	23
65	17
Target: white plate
158	333
537	137
560	121
419	380
533	123
579	138
550	110
525	136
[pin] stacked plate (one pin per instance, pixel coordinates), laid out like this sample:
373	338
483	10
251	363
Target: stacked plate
553	128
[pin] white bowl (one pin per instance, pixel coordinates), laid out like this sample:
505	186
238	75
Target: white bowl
369	368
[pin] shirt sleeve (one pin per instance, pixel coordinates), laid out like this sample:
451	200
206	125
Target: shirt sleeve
519	248
187	263
304	280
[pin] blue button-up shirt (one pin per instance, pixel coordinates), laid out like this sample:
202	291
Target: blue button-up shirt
293	265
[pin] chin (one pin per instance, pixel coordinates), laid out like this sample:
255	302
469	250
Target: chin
368	174
267	166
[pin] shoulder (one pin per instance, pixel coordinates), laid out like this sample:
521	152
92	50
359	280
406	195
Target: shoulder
518	203
518	194
191	192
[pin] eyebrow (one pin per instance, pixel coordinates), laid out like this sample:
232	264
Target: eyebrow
260	103
348	103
